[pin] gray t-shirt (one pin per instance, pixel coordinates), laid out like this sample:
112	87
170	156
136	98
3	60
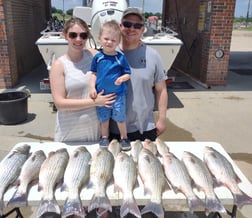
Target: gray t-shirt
146	70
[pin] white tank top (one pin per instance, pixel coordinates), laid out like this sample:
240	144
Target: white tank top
82	125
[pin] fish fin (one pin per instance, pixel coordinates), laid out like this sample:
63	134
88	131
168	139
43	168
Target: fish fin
175	189
33	182
73	207
111	181
167	186
59	184
136	185
17	182
146	191
194	203
116	188
63	187
154	208
40	188
242	199
130	206
237	179
217	183
90	184
48	206
84	184
197	188
18	199
214	205
100	202
194	185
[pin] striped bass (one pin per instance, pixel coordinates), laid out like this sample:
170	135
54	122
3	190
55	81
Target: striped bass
224	173
75	178
50	175
180	180
10	168
136	147
28	176
162	148
150	145
114	147
125	178
152	175
101	172
204	181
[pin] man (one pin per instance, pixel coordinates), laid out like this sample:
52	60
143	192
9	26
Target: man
147	84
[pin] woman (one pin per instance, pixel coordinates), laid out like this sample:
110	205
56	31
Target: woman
76	118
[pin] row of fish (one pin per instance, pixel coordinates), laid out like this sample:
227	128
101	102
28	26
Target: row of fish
158	168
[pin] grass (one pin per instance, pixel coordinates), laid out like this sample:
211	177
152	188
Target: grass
243	28
60	16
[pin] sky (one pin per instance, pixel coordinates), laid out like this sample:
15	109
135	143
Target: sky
241	7
150	5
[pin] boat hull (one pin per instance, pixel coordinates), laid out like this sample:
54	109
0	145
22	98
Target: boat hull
167	46
51	47
55	46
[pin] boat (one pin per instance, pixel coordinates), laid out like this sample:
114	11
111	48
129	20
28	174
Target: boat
52	44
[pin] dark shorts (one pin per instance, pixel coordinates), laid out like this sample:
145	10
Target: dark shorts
133	136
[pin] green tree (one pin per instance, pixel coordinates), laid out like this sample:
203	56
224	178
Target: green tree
159	15
59	11
53	10
69	12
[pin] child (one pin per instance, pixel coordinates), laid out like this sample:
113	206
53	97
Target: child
110	71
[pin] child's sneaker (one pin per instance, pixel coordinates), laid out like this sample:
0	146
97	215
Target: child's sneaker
104	142
125	144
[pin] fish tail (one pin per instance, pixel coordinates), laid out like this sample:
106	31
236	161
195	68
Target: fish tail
46	206
100	202
130	206
194	204
73	207
155	208
214	205
18	199
242	199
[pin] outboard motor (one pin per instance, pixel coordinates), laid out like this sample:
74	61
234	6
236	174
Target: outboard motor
105	10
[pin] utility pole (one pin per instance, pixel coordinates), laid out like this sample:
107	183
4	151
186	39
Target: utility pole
84	3
143	6
63	11
247	19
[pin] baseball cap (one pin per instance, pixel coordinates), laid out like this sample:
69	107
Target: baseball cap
134	11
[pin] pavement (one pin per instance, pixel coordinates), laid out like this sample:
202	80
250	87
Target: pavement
220	114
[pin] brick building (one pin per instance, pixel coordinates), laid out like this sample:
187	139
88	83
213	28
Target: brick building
20	26
204	26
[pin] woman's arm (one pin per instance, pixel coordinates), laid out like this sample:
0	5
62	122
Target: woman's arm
57	83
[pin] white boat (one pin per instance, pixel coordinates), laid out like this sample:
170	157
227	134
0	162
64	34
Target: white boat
52	44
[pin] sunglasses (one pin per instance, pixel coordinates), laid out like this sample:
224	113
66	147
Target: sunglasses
73	35
129	24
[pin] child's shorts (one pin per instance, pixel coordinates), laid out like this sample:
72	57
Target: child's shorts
117	112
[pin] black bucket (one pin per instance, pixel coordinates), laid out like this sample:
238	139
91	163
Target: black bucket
13	107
